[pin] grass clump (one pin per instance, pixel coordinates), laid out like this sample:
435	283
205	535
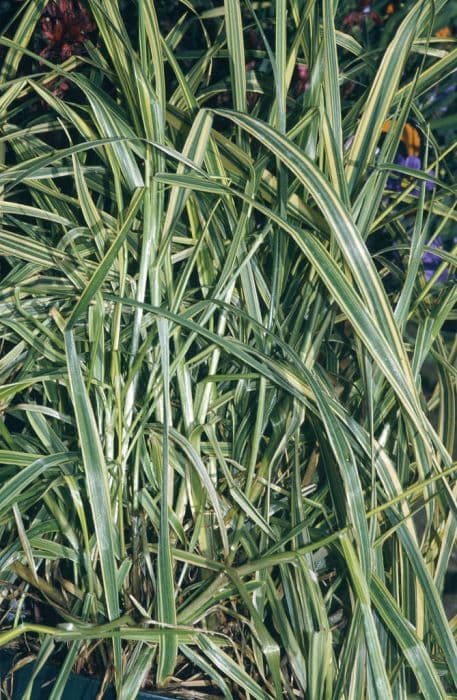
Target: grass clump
228	345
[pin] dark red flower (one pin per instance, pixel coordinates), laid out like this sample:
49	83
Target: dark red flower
356	18
65	25
253	40
60	89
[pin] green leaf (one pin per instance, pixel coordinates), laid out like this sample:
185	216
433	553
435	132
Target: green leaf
97	484
100	274
412	647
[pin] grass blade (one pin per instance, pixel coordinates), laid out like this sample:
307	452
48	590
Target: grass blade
97	481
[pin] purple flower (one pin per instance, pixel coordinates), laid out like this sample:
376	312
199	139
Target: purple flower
410	162
431	262
399	183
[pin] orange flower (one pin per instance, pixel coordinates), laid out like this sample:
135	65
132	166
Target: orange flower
410	138
444	33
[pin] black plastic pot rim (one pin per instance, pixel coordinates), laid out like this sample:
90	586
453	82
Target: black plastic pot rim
78	687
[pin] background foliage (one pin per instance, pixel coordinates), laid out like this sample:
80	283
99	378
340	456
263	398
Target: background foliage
228	344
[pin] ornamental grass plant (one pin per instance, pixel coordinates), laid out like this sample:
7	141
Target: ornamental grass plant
228	349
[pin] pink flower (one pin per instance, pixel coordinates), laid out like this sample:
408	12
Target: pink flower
302	83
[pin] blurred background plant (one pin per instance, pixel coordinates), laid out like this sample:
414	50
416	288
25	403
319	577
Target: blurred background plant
228	347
